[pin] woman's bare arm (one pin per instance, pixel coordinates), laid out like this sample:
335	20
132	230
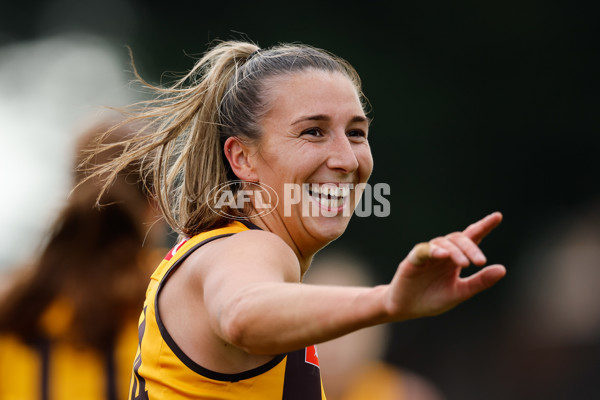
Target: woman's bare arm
254	299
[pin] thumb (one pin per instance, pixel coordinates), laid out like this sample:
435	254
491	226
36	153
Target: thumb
425	251
419	254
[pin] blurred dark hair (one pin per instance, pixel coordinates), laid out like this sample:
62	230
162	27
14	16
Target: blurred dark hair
91	259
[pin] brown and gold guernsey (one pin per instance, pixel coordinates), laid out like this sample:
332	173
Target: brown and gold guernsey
162	371
56	368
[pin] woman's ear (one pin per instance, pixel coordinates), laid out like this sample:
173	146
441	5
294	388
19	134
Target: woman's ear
238	155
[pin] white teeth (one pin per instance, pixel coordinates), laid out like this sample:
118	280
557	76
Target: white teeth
330	190
330	203
330	195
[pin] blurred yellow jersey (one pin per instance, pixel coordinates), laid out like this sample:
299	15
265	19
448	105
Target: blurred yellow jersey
162	371
56	369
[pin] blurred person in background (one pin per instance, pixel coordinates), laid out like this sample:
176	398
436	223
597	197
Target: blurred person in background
68	322
354	366
549	344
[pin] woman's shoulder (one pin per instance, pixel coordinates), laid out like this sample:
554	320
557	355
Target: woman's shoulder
258	238
253	249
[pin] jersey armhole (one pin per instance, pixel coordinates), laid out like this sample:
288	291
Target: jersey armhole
180	354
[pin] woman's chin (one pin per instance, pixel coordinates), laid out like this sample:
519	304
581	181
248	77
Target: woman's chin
327	229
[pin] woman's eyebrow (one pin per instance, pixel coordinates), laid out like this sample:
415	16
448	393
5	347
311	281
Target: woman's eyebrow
323	117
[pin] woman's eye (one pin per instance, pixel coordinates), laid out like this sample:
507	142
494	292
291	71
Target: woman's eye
313	132
357	133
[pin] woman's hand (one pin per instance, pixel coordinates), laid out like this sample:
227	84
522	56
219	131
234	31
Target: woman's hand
428	281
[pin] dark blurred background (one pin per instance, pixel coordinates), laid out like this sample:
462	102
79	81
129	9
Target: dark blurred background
477	107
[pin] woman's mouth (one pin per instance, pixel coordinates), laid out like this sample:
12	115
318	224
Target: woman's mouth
330	196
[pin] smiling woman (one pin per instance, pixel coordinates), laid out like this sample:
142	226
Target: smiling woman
225	315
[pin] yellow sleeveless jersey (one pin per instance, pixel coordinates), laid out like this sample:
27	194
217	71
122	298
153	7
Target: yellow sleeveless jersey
162	371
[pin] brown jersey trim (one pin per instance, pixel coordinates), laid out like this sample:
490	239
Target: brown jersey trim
302	379
249	224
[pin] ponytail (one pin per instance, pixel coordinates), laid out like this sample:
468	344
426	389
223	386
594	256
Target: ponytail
178	147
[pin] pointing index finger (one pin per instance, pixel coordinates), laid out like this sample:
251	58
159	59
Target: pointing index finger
480	229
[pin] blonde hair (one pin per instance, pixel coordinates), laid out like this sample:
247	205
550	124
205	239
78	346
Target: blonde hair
180	146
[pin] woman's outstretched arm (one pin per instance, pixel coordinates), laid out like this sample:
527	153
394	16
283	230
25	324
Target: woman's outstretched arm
254	301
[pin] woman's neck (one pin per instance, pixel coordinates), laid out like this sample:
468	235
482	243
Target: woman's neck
303	252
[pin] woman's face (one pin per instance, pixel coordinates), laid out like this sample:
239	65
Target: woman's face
314	142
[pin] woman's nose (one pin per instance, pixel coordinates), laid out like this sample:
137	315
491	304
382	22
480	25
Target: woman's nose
341	155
